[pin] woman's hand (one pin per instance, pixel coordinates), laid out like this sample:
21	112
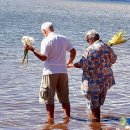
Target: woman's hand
77	65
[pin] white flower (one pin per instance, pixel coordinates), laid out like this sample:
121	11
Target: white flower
26	40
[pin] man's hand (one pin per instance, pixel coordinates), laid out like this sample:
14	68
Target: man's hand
72	57
71	65
29	47
36	53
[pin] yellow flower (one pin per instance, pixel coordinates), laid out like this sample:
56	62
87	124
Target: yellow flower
26	40
118	38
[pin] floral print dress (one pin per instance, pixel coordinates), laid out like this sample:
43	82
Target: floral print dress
97	75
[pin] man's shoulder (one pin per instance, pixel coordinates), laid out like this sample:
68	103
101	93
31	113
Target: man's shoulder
55	35
44	41
61	36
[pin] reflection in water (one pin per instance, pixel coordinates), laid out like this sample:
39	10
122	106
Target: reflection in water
95	125
104	124
62	125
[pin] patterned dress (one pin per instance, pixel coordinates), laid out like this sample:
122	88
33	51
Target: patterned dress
97	75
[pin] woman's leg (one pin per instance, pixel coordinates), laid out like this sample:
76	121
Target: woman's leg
96	114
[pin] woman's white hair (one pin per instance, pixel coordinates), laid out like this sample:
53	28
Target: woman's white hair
92	34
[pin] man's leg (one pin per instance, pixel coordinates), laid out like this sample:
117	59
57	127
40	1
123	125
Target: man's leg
63	93
66	109
50	110
48	91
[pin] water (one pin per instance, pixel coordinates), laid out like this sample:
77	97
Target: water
19	85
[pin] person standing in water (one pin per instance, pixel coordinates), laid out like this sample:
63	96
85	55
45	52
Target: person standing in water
55	79
97	75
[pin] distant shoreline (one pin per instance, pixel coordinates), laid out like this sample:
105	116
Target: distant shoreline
107	1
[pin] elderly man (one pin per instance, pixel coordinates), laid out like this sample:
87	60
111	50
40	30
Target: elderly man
97	75
55	78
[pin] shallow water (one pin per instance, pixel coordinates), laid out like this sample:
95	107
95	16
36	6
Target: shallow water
19	85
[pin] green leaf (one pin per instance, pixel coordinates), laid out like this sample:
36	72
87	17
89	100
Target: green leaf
25	56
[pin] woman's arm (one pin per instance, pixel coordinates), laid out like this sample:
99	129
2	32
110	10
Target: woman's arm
77	65
113	56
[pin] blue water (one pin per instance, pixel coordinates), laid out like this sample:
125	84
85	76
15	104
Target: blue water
19	84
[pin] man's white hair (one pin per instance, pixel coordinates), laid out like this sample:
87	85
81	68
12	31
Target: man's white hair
92	34
46	26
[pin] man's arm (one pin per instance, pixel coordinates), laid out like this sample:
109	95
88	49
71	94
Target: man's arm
72	56
36	53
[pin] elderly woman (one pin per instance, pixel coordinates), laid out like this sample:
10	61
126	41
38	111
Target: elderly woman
97	75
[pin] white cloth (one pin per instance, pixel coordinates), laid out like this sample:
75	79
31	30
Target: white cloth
54	46
95	46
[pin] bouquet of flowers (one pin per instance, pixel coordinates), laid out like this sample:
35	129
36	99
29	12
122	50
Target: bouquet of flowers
118	38
26	40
